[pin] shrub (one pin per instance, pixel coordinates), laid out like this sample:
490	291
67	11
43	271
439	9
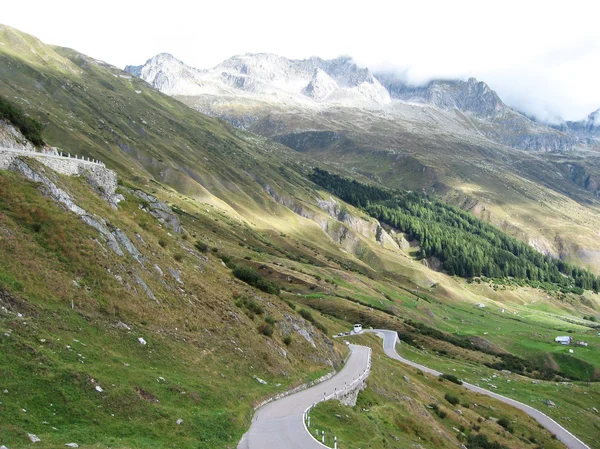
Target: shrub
451	399
201	246
436	409
162	242
265	329
506	424
178	257
481	441
307	315
251	306
255	279
269	319
451	378
30	128
287	340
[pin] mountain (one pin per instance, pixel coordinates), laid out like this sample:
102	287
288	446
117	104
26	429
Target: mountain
586	130
452	138
267	76
221	272
275	80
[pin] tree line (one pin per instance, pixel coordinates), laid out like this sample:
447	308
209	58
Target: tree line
465	246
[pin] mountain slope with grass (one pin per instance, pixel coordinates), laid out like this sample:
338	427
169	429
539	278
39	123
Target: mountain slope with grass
217	277
454	139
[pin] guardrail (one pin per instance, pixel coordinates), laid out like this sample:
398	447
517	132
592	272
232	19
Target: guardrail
59	155
336	394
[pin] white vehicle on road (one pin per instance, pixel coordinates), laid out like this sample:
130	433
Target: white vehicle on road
357	328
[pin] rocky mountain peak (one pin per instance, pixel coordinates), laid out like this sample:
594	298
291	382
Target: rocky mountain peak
321	86
471	96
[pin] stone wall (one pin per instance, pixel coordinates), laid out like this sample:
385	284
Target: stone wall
95	172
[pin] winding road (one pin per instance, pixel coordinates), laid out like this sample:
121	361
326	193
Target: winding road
280	424
390	338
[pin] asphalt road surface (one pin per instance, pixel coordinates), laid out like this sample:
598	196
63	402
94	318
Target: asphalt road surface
390	339
280	424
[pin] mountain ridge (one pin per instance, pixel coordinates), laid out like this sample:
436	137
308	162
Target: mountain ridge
283	82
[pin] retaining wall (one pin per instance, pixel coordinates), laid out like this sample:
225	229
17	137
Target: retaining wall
94	171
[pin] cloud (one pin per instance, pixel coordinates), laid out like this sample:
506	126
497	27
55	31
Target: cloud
541	56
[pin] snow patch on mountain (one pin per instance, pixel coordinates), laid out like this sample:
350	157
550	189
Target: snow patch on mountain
268	76
321	86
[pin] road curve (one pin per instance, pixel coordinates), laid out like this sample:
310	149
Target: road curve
280	424
390	338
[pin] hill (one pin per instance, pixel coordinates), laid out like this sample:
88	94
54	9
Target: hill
218	264
455	139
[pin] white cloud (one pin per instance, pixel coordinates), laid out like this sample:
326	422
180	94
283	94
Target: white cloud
542	56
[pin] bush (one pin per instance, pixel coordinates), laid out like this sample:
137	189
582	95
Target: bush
287	340
506	424
30	128
255	279
265	329
201	246
451	399
178	257
451	378
481	441
442	414
251	306
307	315
269	319
290	304
162	242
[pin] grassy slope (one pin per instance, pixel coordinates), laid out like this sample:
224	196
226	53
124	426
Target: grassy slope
396	411
527	194
205	347
219	176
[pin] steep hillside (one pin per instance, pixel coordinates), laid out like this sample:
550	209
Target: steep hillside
153	319
452	138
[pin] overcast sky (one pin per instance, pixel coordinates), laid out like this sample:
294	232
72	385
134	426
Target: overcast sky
540	56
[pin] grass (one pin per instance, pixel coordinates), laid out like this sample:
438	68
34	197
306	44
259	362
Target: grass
404	407
247	198
70	337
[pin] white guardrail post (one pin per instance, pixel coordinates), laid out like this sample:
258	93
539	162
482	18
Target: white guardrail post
59	154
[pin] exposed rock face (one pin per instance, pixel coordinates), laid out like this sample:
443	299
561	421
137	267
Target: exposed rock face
500	122
113	237
100	177
587	130
160	211
283	80
321	86
314	83
12	138
471	96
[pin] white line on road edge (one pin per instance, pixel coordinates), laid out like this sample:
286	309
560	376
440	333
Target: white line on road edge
363	376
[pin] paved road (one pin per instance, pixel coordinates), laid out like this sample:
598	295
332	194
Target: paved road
280	424
390	338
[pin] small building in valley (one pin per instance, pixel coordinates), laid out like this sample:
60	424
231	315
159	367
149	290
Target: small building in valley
566	340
